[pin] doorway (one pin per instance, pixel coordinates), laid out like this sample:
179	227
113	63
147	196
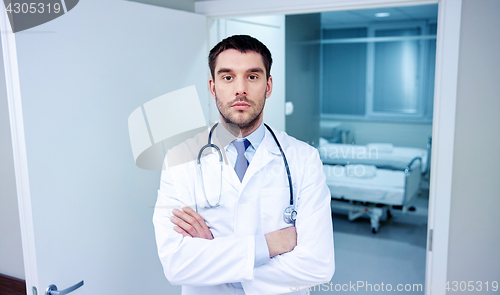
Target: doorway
444	106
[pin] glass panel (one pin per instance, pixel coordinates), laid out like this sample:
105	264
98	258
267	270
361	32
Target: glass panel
396	73
344	73
432	70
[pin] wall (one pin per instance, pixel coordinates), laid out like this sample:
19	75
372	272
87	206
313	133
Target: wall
11	250
186	5
474	241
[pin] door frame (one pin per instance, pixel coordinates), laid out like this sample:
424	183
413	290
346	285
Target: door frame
19	150
445	99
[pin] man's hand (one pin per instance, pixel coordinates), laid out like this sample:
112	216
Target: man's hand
281	241
189	223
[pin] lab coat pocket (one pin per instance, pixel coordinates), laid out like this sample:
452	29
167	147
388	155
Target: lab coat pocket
273	202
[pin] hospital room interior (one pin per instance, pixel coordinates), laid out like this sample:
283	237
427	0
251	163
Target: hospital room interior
358	85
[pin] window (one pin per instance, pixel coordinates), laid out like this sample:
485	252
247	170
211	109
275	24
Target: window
380	71
344	72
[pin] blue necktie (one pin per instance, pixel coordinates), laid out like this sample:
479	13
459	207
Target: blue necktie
241	164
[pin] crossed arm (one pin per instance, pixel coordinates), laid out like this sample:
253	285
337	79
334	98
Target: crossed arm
189	223
184	240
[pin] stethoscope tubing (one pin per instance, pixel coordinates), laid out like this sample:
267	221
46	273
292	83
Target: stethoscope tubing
285	161
211	145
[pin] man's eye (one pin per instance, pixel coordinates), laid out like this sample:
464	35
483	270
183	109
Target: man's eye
227	78
252	77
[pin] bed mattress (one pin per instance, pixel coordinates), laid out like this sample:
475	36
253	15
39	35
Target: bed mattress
342	154
386	187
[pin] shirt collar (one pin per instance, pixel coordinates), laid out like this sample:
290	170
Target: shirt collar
255	137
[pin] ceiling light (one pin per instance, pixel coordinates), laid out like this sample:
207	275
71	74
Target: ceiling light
382	14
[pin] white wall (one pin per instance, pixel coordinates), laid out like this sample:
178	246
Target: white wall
11	251
186	5
474	241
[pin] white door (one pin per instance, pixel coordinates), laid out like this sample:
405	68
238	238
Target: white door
80	77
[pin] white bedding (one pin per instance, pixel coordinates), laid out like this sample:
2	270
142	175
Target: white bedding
342	154
386	187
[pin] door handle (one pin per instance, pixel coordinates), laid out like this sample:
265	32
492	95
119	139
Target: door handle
52	289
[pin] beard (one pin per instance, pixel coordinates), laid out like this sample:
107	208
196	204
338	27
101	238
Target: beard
241	119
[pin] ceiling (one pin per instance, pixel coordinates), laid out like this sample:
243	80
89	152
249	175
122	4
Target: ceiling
334	18
406	13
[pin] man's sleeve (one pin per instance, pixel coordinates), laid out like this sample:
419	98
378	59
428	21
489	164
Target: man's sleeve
196	261
261	250
312	261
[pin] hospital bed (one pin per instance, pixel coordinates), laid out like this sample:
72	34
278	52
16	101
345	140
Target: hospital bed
379	154
364	185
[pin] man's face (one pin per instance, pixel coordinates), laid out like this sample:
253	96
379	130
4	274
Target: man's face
240	87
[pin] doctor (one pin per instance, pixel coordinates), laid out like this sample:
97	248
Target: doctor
244	245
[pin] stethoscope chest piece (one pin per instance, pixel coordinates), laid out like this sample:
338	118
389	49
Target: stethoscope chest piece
289	215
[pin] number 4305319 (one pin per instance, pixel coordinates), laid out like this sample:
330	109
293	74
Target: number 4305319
33	8
471	286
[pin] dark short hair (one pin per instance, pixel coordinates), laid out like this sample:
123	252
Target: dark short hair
242	43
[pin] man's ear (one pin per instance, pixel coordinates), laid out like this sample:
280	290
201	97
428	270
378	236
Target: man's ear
211	86
269	86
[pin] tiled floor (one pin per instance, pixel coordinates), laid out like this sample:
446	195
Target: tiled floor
395	255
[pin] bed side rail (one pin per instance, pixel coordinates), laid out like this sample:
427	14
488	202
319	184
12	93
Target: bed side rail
408	168
412	182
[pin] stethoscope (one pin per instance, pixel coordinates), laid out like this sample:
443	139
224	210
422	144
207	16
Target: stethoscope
289	215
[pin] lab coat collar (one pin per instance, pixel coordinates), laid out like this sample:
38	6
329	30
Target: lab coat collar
267	151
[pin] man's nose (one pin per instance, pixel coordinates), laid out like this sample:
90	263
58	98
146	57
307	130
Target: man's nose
240	88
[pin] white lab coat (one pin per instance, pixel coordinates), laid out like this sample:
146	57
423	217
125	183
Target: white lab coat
251	207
